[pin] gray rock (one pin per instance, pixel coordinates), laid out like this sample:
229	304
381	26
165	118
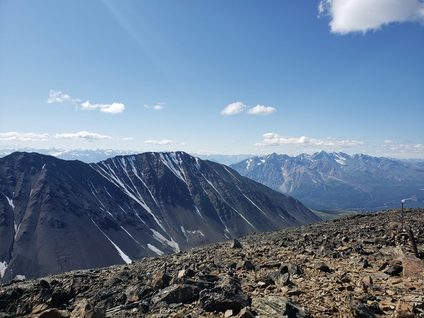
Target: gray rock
272	306
393	270
361	310
236	244
177	294
323	267
227	295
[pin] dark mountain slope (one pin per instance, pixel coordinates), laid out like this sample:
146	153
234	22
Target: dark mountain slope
58	215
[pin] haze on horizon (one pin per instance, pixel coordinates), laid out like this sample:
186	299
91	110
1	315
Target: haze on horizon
214	77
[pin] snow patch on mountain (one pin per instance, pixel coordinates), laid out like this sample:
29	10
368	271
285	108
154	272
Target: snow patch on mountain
124	256
171	243
170	160
3	267
155	249
108	173
10	201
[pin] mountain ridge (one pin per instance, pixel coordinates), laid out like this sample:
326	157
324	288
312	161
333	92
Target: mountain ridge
337	180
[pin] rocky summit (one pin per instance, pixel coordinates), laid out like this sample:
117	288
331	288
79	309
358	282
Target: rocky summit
362	265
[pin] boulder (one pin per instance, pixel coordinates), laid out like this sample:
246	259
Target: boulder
177	294
227	295
274	306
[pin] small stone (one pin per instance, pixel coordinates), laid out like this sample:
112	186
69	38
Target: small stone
367	281
236	244
228	313
386	305
160	280
184	273
393	270
295	269
39	308
404	310
345	239
323	267
284	269
366	264
54	313
283	280
248	265
85	309
246	313
361	310
44	284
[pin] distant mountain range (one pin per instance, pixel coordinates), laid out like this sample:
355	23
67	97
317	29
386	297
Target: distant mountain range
338	181
84	155
58	215
96	155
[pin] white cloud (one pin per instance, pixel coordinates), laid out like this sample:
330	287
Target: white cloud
159	142
261	110
82	135
365	15
58	97
272	139
239	107
114	108
233	109
157	106
17	136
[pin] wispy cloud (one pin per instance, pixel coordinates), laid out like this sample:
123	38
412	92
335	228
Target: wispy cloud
58	97
157	106
81	135
272	139
261	110
366	15
18	136
233	109
239	107
87	135
403	148
159	142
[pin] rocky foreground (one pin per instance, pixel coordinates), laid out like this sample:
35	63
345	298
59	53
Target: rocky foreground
357	266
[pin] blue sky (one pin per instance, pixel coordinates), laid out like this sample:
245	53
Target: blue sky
216	76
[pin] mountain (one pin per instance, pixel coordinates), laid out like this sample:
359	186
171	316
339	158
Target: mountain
58	215
338	181
355	266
